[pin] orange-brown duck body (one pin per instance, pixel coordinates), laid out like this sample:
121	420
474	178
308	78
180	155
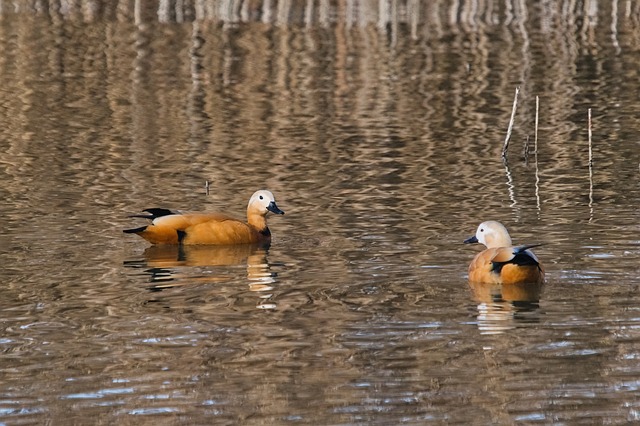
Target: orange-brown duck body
168	227
501	262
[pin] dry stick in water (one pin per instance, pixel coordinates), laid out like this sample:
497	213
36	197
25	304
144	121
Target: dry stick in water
590	151
535	138
535	153
206	187
510	128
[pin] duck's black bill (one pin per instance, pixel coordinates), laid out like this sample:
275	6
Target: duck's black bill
471	240
273	208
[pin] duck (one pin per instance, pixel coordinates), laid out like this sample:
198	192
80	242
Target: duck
174	227
501	262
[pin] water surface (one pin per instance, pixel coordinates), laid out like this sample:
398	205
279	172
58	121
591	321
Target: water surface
380	132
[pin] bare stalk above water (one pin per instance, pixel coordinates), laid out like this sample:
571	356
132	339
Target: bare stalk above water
206	187
535	153
535	137
590	150
505	147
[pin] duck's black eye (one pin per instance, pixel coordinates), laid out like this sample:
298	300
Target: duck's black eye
481	230
261	197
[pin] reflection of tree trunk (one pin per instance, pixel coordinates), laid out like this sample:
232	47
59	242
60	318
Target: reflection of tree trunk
383	14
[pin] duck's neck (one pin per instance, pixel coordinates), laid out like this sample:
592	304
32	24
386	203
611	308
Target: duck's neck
498	241
258	221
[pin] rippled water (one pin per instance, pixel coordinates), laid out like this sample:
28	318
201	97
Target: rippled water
380	132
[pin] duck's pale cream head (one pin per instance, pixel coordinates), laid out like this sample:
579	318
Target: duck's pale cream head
263	202
492	234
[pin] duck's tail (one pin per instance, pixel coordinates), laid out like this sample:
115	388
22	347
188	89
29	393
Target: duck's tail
135	230
154	213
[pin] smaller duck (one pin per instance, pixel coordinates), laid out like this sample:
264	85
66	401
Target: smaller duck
501	262
169	227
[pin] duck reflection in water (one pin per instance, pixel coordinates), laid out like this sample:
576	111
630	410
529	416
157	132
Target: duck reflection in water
170	266
502	307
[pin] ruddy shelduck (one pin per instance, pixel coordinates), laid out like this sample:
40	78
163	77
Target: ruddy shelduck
169	227
501	262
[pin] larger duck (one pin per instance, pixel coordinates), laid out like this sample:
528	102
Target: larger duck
169	227
501	262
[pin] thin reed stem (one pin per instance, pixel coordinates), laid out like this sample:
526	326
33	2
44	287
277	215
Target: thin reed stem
535	137
505	147
590	133
535	153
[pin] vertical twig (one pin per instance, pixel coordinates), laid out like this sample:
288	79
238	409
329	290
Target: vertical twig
206	187
535	152
535	138
590	150
505	147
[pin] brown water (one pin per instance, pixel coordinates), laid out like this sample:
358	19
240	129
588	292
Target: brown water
379	130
